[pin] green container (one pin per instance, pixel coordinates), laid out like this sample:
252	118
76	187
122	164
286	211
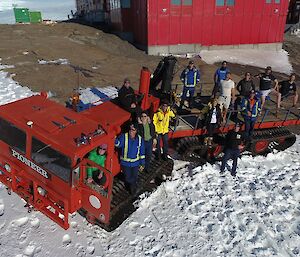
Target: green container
22	15
35	17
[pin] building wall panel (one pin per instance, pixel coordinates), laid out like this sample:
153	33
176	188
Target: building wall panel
203	23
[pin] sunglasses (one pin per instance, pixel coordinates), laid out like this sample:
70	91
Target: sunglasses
144	116
102	148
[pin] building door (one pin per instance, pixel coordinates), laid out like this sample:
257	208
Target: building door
175	16
186	22
163	19
139	16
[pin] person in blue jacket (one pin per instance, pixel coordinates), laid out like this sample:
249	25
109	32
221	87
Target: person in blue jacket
190	77
220	74
250	107
132	156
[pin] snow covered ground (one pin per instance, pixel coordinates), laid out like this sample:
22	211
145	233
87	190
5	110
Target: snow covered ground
260	58
196	212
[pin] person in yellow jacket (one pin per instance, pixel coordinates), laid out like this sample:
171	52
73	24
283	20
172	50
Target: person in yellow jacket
161	121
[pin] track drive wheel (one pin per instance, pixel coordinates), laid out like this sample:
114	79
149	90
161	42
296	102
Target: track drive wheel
192	149
260	146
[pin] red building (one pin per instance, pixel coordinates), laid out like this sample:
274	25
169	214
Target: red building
181	26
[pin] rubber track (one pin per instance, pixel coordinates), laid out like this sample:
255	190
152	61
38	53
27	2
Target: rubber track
273	136
122	203
188	146
192	149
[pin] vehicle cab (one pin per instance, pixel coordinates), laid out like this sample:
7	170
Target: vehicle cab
44	155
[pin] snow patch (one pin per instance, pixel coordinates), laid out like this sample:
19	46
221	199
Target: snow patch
259	58
66	240
59	61
1	207
20	222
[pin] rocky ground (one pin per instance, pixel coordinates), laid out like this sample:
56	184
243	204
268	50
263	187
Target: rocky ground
94	58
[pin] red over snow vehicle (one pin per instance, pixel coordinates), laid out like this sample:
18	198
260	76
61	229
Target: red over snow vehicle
44	148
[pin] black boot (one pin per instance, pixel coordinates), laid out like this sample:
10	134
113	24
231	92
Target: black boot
133	189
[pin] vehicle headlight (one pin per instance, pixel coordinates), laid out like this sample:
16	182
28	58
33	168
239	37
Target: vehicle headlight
41	191
7	167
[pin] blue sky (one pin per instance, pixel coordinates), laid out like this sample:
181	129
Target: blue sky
51	9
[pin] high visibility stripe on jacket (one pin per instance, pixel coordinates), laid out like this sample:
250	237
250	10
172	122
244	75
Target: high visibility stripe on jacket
190	78
133	150
245	106
161	120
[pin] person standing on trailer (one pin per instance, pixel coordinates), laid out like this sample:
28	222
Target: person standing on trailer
227	96
161	120
220	74
266	81
146	130
250	107
213	119
246	85
233	147
132	156
288	88
190	77
128	100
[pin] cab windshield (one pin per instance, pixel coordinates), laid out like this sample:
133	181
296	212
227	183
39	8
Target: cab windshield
50	159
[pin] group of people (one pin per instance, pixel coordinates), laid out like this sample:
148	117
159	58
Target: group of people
225	95
136	147
138	143
145	134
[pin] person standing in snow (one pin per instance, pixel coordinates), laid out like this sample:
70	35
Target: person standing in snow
233	147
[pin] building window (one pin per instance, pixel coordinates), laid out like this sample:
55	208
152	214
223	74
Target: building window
125	4
12	136
187	2
175	2
277	1
268	1
220	2
230	2
50	159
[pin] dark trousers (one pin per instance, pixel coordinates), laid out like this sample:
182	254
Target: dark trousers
165	139
230	154
191	91
131	174
148	153
211	128
236	105
249	127
216	88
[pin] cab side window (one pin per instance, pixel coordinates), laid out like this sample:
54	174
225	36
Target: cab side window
13	136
